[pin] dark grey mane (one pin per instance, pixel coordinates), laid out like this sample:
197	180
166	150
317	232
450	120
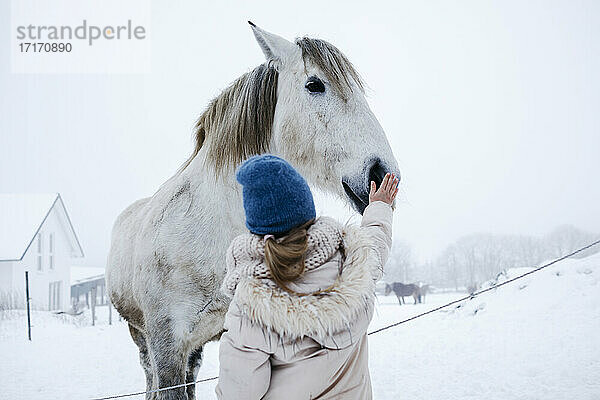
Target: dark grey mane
238	123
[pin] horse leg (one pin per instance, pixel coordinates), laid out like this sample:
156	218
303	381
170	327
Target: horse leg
140	341
399	301
193	365
169	358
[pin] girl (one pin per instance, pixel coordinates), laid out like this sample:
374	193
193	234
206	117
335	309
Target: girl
302	290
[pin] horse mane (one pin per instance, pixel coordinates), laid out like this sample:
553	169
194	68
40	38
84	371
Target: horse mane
243	115
238	123
334	64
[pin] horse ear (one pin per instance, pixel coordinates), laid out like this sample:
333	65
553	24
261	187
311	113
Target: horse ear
273	46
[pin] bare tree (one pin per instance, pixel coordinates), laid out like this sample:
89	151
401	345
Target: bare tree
400	265
475	258
567	238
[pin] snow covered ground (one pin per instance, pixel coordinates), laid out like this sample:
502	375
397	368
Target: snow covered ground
538	338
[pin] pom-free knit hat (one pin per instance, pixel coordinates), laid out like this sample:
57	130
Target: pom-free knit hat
276	196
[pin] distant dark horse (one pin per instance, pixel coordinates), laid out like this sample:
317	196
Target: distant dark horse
401	290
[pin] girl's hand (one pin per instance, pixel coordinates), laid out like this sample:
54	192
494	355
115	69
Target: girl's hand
387	190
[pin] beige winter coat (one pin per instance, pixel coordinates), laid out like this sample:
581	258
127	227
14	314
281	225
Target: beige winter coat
281	346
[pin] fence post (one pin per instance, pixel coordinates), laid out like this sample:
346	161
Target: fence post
93	304
109	312
28	312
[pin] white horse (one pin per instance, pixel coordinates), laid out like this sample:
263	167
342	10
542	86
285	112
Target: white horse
166	263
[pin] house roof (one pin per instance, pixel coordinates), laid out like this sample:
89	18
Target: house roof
21	217
80	274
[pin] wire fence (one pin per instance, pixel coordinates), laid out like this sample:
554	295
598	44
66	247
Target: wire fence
460	300
118	396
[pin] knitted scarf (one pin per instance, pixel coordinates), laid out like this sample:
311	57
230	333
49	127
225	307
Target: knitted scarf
246	253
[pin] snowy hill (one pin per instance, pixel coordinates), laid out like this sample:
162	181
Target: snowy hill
537	338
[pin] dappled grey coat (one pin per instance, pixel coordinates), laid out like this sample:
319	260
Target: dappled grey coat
282	346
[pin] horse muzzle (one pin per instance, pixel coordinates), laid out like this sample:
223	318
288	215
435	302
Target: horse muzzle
357	187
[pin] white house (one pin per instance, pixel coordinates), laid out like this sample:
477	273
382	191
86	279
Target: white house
36	235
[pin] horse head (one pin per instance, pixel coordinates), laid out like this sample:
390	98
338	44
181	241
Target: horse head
388	289
322	123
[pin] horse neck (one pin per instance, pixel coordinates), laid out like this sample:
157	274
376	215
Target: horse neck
214	193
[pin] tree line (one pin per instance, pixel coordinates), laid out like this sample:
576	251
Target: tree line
476	258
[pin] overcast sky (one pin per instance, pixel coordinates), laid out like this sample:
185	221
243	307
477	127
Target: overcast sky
492	110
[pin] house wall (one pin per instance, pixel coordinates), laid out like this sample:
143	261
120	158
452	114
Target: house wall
7	295
40	280
5	276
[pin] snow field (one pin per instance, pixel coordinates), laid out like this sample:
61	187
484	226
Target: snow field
537	338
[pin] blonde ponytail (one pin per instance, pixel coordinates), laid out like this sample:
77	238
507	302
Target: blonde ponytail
285	258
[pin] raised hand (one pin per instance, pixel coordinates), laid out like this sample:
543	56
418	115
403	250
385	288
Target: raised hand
387	190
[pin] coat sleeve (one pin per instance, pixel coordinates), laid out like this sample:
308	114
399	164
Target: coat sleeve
244	360
377	221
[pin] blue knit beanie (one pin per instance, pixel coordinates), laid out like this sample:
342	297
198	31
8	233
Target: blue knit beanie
276	196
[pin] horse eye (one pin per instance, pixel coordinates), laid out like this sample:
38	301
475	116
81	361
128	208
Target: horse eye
315	85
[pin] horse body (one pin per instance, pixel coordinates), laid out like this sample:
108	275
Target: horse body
166	262
423	291
171	304
400	290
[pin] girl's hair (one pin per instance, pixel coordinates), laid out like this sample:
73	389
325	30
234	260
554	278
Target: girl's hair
285	258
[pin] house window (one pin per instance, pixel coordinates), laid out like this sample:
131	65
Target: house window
51	251
54	295
39	251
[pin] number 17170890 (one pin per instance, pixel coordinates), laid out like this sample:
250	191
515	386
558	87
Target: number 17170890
45	47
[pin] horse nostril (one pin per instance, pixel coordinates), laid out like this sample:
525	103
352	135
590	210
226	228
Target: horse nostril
376	173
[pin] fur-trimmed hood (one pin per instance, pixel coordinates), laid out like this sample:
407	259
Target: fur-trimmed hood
246	253
332	317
